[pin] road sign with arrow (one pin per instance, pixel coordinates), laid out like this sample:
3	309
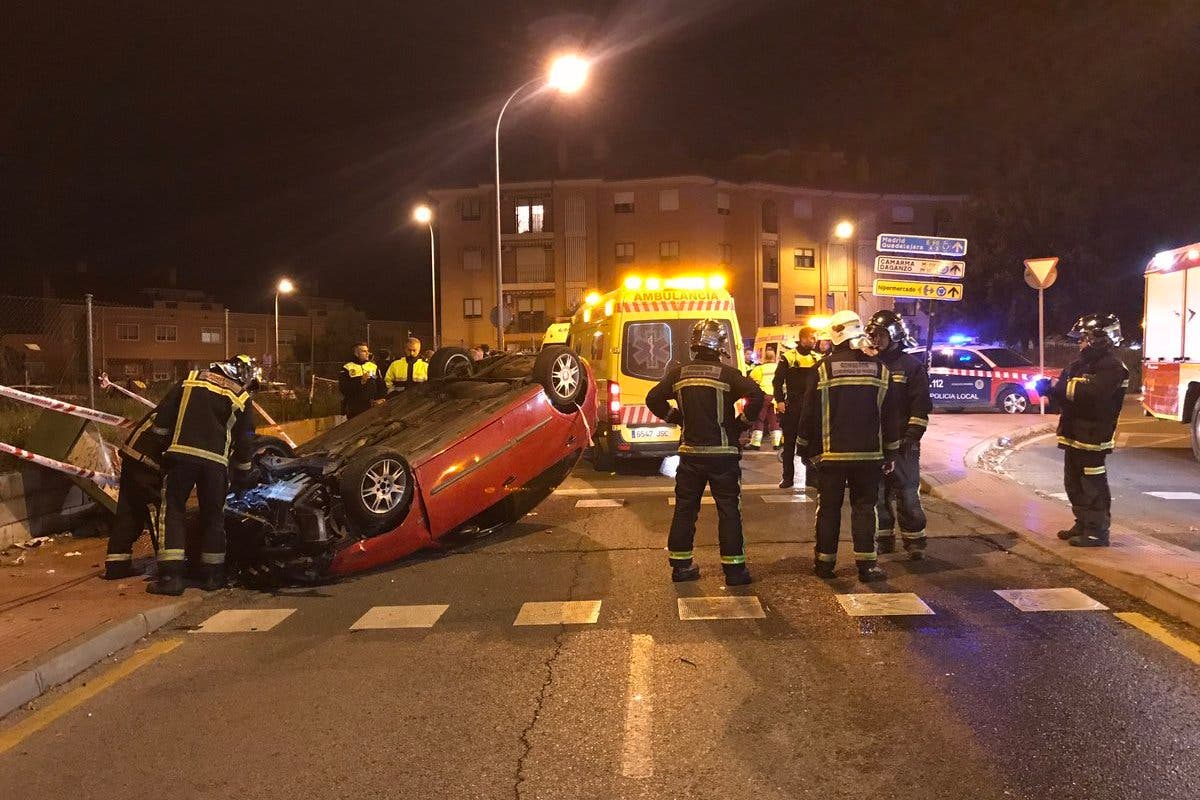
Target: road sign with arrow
899	265
921	290
920	245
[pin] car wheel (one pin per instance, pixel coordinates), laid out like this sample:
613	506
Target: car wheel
1013	401
450	362
1196	432
272	446
560	372
377	488
602	456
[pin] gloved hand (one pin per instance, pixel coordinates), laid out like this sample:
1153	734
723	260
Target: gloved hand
889	465
1043	386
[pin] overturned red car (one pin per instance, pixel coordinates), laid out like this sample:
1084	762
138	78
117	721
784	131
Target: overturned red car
476	447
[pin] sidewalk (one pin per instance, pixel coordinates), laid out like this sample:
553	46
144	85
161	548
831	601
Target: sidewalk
955	455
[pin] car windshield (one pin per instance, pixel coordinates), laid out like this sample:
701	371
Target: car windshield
649	348
1003	357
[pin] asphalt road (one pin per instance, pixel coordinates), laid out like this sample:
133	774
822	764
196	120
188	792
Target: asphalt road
1152	456
978	699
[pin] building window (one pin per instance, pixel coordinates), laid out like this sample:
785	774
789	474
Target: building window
770	306
531	314
624	252
247	336
770	263
469	207
802	208
902	214
472	259
288	338
529	264
531	217
669	251
668	200
472	307
133	370
160	376
726	253
623	202
804	258
166	333
723	203
210	335
804	305
127	333
770	217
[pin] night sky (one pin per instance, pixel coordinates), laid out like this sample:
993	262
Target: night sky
235	142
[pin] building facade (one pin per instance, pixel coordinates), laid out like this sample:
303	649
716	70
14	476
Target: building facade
561	239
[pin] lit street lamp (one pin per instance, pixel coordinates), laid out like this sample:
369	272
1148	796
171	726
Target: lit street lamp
843	230
567	74
285	286
423	215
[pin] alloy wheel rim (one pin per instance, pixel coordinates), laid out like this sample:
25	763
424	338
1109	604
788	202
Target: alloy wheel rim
564	376
383	486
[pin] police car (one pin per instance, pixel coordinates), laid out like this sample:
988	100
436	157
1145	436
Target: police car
970	376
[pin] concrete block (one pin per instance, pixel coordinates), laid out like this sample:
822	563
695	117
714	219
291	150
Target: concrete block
18	690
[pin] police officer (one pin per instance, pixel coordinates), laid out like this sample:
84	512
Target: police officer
768	421
851	428
902	486
210	416
408	369
705	391
792	379
1090	392
359	382
140	490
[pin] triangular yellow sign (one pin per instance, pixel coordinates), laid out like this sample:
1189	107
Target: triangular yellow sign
1040	267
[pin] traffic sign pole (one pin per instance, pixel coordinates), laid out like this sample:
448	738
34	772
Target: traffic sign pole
1042	345
1041	273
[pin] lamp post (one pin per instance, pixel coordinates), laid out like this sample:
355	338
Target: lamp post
423	214
567	74
285	286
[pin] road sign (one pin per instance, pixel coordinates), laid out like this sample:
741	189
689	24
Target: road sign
1040	273
920	245
923	290
900	265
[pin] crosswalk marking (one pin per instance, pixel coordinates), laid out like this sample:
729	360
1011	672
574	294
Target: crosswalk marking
245	620
570	612
600	503
388	617
1050	600
786	498
1174	495
1058	496
892	604
706	500
734	607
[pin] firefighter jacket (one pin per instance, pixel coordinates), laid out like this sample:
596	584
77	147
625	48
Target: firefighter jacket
794	375
1090	391
148	441
705	392
764	376
209	418
406	371
911	379
357	394
851	413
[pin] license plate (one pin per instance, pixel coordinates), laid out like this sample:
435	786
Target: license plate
643	434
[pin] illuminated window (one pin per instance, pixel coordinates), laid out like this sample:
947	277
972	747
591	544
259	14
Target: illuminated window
127	333
804	258
133	370
669	251
623	202
210	335
804	305
472	307
531	217
166	333
624	252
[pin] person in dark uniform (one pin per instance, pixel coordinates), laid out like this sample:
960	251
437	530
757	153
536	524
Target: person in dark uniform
209	420
1090	392
850	427
705	391
902	486
383	361
359	382
792	380
140	490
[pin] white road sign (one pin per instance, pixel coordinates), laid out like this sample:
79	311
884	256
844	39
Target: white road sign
899	265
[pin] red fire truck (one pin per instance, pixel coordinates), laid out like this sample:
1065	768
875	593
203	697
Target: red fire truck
1171	343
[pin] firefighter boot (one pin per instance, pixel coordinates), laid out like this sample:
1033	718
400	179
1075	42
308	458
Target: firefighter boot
736	574
915	546
214	578
1069	533
681	574
885	542
118	570
756	439
777	440
169	579
1089	540
869	571
823	569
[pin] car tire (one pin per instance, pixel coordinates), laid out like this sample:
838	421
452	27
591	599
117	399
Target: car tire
272	446
561	373
450	362
1196	432
602	456
376	487
1013	400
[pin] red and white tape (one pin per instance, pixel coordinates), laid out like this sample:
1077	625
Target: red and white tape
102	478
49	403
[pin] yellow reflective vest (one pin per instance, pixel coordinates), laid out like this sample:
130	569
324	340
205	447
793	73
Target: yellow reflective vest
764	376
398	373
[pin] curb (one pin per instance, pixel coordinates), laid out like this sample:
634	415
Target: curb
71	659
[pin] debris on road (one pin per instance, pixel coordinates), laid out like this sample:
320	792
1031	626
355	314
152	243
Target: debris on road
72	553
36	541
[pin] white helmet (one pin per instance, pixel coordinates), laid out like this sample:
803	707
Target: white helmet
789	342
845	326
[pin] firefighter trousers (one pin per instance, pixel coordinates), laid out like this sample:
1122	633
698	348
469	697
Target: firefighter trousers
1085	477
181	474
833	478
723	476
139	492
902	490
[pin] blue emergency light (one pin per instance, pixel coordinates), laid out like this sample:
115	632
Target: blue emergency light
959	338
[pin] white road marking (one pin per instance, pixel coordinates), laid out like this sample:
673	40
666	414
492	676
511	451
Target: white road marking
1050	600
388	617
600	503
570	612
245	620
637	759
786	498
1174	495
733	607
705	500
892	604
666	488
1058	496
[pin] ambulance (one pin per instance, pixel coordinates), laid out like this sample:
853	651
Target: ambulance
772	336
631	337
1171	347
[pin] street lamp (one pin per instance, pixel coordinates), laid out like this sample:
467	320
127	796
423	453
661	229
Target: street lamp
843	230
567	74
423	215
285	286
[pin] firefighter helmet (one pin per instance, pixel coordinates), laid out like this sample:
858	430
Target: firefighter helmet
1097	328
891	323
845	326
709	335
789	342
242	369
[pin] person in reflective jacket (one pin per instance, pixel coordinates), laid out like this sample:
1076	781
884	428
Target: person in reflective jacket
408	369
359	382
140	490
1090	392
705	392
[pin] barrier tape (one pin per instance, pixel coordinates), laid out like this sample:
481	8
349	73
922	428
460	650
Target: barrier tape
101	478
49	403
105	383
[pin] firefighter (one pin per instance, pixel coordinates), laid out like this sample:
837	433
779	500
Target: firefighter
408	369
1090	392
358	381
210	417
768	421
850	427
140	491
792	379
704	392
889	336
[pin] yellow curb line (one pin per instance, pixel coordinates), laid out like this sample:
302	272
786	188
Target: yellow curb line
1189	650
40	719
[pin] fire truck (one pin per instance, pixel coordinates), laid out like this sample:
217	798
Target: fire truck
1171	343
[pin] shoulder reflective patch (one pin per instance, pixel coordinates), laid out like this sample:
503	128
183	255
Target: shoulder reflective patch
841	369
701	371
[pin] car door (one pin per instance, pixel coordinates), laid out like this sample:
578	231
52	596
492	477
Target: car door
970	378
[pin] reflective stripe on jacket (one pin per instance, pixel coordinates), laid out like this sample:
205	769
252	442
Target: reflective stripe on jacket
209	419
399	374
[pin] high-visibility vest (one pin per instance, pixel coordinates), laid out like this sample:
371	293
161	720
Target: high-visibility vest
356	370
764	376
397	374
797	359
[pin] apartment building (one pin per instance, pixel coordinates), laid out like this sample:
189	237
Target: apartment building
778	246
